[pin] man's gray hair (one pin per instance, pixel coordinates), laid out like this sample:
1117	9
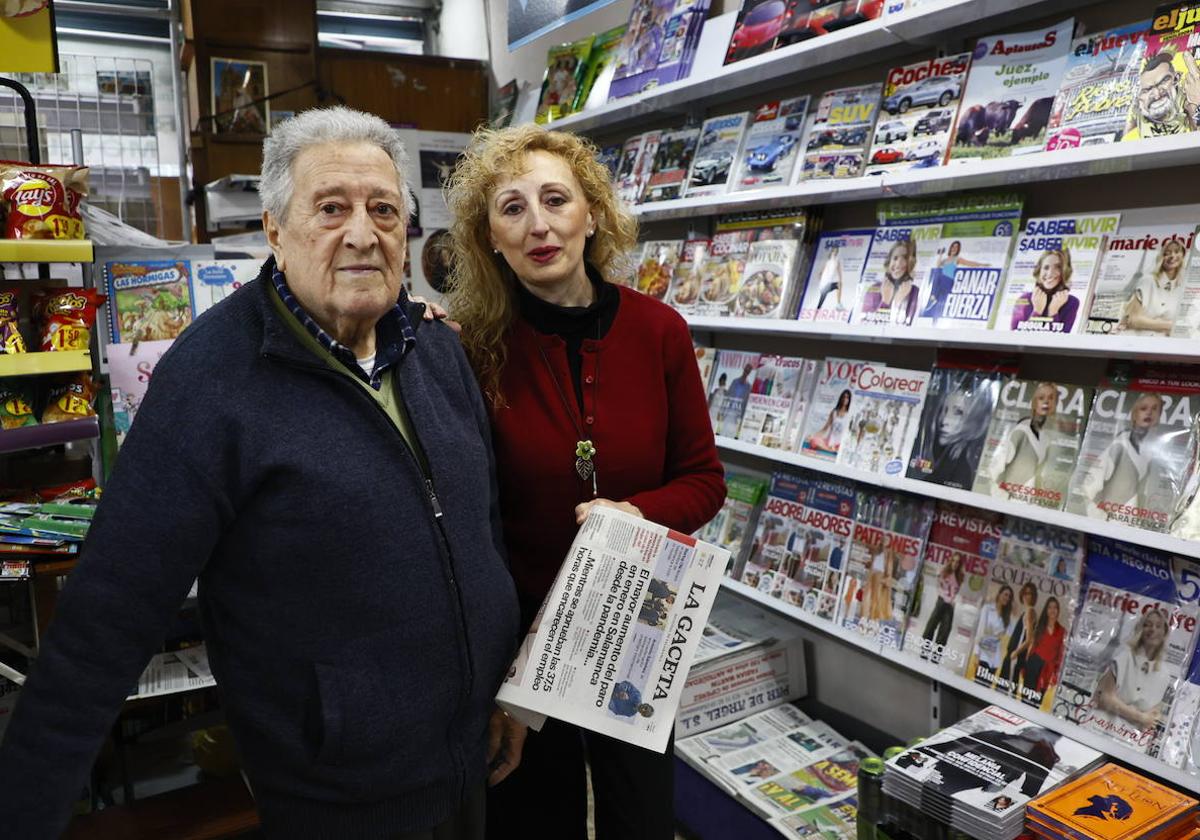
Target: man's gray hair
323	125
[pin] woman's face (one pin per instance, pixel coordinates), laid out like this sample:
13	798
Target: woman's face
1028	595
897	264
1045	401
1173	254
1154	630
1050	272
955	248
1147	411
954	418
539	221
1052	612
1004	598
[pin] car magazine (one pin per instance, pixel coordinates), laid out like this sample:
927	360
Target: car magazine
772	144
839	133
716	154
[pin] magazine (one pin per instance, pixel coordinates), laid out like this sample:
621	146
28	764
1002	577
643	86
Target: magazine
822	781
723	271
772	397
149	290
1099	85
1033	442
769	285
889	290
1168	100
1142	277
685	282
829	514
612	643
1052	271
1131	645
920	104
885	409
1059	551
772	144
1114	803
963	543
610	159
625	181
756	29
644	166
1023	627
130	367
1139	448
657	266
658	46
834	274
884	565
809	373
671	164
729	389
716	153
565	67
781	538
839	133
1181	744
954	423
215	280
1013	82
706	357
598	73
828	416
735	522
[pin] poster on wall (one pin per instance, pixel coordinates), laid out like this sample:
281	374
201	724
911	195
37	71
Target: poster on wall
431	158
239	90
531	19
27	38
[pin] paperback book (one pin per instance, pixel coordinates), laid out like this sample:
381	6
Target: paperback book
1131	644
839	133
1052	270
729	389
1033	442
1099	85
149	291
1013	82
772	144
920	104
780	534
828	416
672	160
656	267
716	154
884	565
884	414
772	398
834	274
1168	100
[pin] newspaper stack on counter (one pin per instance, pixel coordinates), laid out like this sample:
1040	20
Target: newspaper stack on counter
611	647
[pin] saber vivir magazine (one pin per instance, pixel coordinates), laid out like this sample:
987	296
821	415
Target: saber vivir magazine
903	249
1033	442
890	530
828	416
1132	642
829	512
729	389
954	421
1168	100
685	280
1052	270
1059	551
1099	85
772	397
962	545
1023	628
1142	279
672	161
834	274
839	132
716	155
656	267
884	415
920	105
1139	447
779	537
772	144
734	524
1014	79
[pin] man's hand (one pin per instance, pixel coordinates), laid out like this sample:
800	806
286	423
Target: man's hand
506	740
434	312
582	510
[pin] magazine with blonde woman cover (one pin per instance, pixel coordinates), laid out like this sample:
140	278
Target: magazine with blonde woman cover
1024	622
1139	447
885	412
828	416
1131	645
962	545
1033	442
890	530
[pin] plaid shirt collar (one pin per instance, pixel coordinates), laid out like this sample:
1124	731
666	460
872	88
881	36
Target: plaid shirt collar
394	335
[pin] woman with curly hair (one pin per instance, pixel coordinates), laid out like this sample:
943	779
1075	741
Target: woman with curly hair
595	399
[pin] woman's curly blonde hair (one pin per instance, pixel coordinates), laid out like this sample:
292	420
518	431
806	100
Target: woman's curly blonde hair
482	288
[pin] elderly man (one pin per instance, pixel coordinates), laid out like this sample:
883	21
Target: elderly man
320	459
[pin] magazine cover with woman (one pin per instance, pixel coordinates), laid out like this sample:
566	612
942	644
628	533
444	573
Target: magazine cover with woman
886	408
828	518
1139	448
1131	645
900	259
780	536
890	530
1033	442
1059	551
962	546
828	414
833	277
954	422
1022	633
772	396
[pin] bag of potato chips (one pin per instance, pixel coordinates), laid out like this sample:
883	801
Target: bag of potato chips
66	317
16	403
72	397
42	202
11	340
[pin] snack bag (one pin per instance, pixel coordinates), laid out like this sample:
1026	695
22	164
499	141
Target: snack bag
16	404
42	202
11	340
71	398
67	317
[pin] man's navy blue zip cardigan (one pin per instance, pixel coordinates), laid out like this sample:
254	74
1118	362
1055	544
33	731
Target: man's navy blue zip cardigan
357	637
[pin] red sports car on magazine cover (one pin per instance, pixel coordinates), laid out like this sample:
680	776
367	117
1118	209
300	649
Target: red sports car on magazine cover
757	30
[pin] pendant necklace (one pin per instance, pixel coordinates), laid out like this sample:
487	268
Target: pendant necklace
585	450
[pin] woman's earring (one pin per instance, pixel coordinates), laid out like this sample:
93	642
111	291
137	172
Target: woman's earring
590	232
495	250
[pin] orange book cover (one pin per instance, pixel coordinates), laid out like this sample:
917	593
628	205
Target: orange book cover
1110	803
1040	830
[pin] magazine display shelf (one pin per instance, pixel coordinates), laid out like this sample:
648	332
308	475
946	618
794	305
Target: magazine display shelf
1179	150
1059	518
839	51
1161	348
916	665
46	251
34	364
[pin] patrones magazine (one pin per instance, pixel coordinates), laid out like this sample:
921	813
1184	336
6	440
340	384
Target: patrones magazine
611	646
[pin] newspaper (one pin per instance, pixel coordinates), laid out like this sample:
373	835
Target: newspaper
711	746
175	672
611	646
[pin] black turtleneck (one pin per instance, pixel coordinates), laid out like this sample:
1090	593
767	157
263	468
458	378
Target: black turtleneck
573	324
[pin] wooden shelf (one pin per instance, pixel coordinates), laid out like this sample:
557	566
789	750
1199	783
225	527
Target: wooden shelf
33	364
1062	519
916	665
46	251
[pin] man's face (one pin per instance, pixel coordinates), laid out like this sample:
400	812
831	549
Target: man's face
342	245
1156	94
